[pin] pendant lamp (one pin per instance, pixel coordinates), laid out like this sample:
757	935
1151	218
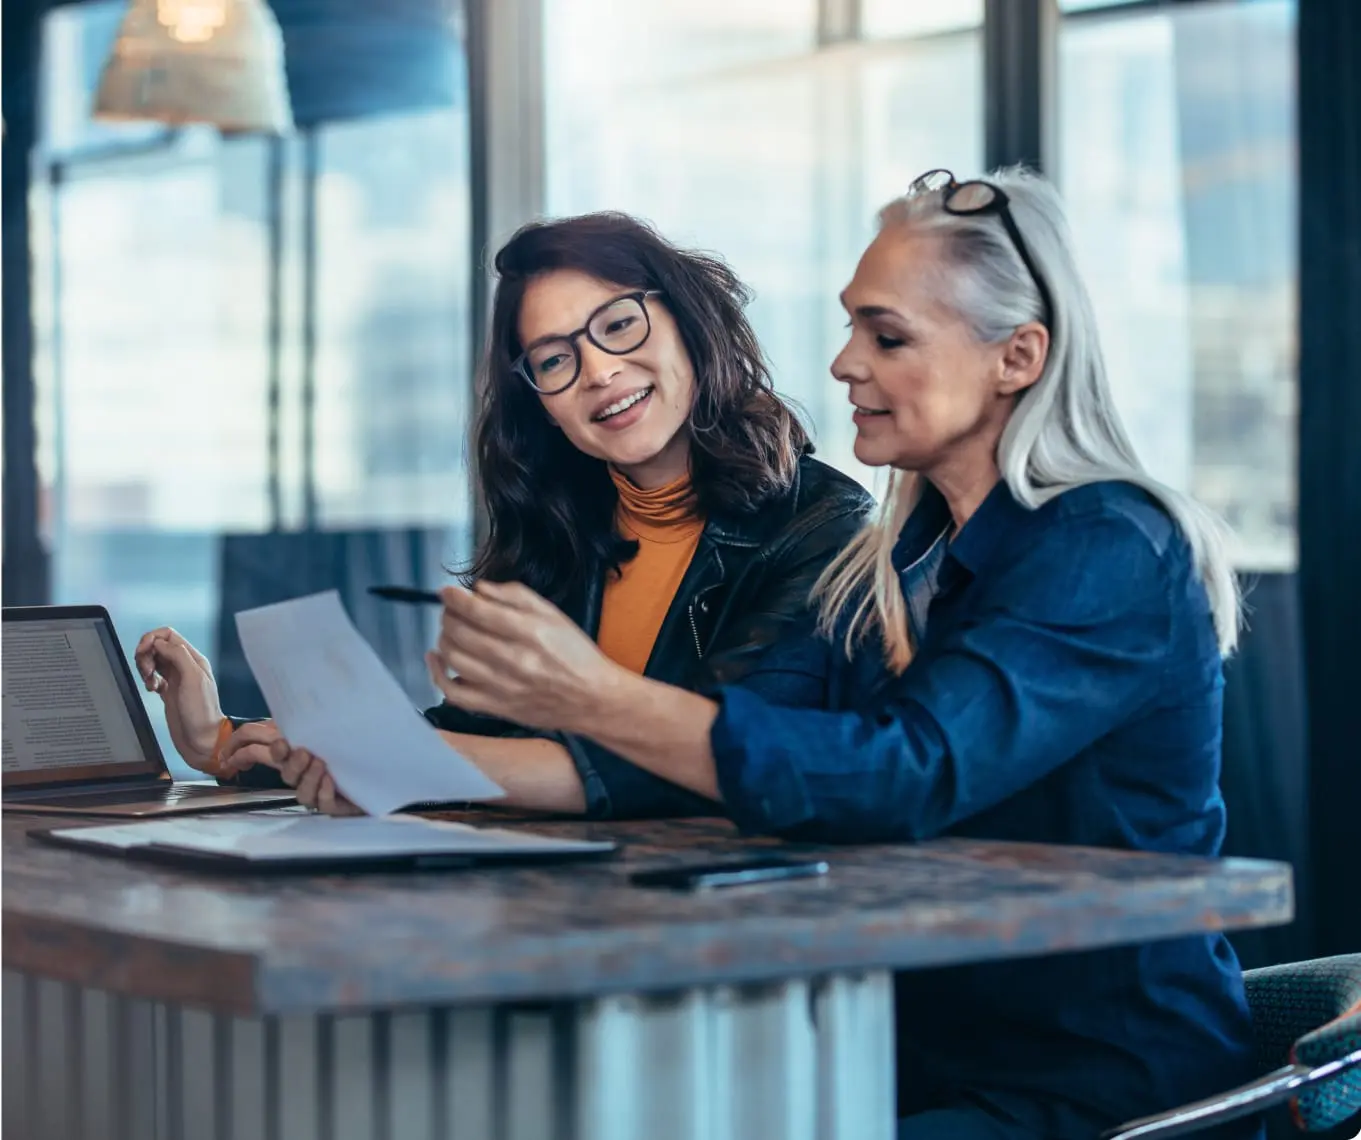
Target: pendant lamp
197	61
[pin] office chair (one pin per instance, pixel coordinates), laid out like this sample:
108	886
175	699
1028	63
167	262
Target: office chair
1307	1014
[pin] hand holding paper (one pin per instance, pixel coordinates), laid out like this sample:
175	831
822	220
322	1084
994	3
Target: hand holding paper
331	694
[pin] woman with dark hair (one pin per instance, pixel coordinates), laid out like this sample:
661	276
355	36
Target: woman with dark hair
639	470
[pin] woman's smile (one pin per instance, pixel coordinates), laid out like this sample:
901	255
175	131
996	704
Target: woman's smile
625	411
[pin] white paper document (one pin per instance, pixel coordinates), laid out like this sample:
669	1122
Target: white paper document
316	836
331	694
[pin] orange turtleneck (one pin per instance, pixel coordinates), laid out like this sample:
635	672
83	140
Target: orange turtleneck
667	526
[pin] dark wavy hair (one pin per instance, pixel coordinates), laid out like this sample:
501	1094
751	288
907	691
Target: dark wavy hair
550	507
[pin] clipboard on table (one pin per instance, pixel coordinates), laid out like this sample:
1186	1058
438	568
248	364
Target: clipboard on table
287	842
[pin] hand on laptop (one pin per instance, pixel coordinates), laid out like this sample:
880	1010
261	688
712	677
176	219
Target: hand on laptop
307	776
181	675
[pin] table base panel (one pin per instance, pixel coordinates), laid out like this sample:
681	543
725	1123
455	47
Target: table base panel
801	1060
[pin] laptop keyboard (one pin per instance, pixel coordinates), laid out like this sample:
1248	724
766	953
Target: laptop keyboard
173	795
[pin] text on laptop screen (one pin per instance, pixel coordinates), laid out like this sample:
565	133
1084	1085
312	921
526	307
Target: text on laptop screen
66	714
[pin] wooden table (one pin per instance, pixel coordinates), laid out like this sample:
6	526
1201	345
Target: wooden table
143	1002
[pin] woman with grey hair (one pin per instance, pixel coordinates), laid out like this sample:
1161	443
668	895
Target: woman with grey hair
1025	645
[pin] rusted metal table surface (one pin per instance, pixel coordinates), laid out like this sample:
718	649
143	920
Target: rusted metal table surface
267	944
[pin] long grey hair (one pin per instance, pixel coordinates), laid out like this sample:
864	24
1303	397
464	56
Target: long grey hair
1064	432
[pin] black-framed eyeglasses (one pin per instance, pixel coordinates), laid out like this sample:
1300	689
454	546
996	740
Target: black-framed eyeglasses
618	327
980	197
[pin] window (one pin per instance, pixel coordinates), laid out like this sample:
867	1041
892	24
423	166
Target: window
154	300
727	126
150	366
1177	160
733	126
891	18
1089	5
393	354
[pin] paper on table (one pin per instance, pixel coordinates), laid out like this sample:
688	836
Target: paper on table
315	835
330	694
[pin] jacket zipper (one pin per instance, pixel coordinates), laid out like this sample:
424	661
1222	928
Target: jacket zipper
699	598
694	626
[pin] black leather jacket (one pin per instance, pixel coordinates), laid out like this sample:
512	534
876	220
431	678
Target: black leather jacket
747	583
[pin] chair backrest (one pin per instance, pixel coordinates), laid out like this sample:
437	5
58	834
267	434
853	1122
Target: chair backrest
1329	1102
1290	1001
1307	1021
1309	1014
258	569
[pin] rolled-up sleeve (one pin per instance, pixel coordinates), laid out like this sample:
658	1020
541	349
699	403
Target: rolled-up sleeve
1063	645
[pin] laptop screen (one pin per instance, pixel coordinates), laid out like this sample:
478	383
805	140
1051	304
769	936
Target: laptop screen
71	713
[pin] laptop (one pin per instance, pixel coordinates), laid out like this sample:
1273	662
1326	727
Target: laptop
76	736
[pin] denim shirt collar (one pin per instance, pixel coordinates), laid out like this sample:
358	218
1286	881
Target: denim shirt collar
998	516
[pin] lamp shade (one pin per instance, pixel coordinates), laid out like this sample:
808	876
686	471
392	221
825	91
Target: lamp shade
197	61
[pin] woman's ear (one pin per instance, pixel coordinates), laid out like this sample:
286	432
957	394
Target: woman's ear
1024	357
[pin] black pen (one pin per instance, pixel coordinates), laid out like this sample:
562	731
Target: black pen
406	594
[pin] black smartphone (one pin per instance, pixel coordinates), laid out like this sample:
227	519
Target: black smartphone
731	873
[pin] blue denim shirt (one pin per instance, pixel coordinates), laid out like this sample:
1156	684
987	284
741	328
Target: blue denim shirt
1066	688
